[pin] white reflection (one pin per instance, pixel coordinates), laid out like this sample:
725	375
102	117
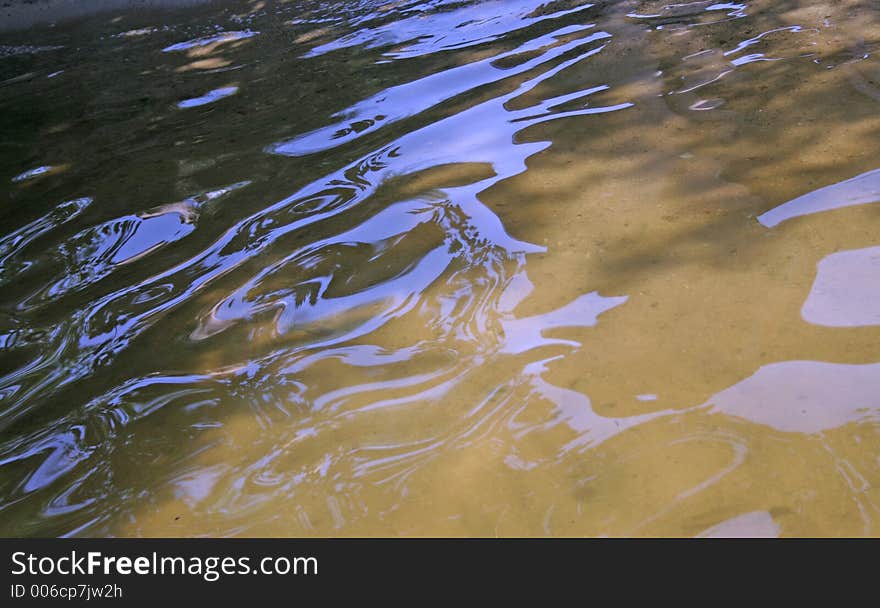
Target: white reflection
757	524
846	292
804	396
524	334
458	28
32	173
209	97
864	188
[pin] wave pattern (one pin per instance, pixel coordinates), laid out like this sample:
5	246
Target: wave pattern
360	296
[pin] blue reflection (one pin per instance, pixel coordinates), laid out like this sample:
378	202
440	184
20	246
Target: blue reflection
209	97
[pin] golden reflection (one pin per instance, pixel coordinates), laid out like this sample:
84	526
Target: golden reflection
204	64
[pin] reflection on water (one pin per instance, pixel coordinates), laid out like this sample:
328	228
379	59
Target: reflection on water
205	41
804	396
858	190
209	97
31	174
758	524
846	292
442	268
424	28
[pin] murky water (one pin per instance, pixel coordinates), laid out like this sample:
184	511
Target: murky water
442	268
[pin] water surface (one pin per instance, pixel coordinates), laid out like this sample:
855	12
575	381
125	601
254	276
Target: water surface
487	268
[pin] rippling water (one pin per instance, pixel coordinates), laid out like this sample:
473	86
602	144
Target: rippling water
509	267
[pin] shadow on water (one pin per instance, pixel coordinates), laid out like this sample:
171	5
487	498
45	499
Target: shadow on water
441	268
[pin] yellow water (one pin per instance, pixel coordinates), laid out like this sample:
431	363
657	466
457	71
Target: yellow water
467	268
